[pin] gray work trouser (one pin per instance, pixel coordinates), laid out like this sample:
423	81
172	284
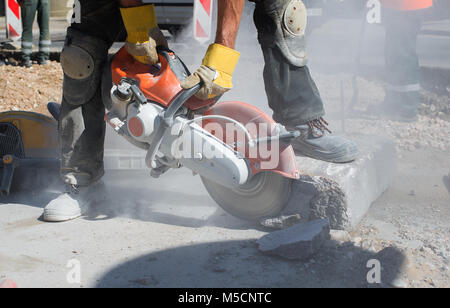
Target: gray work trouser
402	61
81	124
291	91
28	12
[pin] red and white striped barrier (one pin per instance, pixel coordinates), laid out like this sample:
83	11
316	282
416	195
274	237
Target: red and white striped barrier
13	22
8	284
203	20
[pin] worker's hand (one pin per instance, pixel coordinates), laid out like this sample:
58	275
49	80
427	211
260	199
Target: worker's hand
215	72
143	33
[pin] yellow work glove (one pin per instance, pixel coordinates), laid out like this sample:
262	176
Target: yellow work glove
215	72
143	33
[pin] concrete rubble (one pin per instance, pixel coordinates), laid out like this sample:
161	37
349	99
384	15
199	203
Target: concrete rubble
343	193
298	242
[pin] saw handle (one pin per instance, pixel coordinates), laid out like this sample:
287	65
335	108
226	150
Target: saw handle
175	64
180	70
166	121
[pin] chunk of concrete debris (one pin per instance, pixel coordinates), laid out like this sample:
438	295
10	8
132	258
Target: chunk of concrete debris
343	193
399	283
298	242
340	236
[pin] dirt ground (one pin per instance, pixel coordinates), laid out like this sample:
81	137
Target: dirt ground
30	89
408	225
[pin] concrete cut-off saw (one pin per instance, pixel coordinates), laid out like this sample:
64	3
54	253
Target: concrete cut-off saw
244	158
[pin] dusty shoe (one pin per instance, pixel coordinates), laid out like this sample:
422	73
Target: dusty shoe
42	61
316	142
73	203
54	109
26	63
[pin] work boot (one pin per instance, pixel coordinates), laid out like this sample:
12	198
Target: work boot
54	109
43	58
26	63
42	61
74	202
316	142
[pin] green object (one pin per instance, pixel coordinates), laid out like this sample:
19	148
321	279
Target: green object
29	10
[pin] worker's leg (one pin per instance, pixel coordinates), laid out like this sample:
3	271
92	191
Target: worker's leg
290	89
82	127
28	13
81	123
43	18
81	135
402	62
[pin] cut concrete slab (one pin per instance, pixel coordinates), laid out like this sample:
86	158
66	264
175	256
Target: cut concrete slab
298	242
124	160
122	155
343	193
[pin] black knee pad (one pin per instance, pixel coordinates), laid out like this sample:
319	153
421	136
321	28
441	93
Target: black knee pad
285	28
82	60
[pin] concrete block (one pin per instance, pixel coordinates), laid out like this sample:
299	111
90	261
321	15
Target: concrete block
122	155
340	236
298	242
343	193
124	160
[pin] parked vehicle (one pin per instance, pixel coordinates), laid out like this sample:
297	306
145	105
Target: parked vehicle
173	14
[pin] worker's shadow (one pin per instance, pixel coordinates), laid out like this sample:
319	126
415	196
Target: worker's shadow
237	264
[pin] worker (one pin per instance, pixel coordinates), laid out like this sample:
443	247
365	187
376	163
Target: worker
291	91
29	8
403	20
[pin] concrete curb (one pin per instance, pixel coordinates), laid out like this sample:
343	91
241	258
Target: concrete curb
343	193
